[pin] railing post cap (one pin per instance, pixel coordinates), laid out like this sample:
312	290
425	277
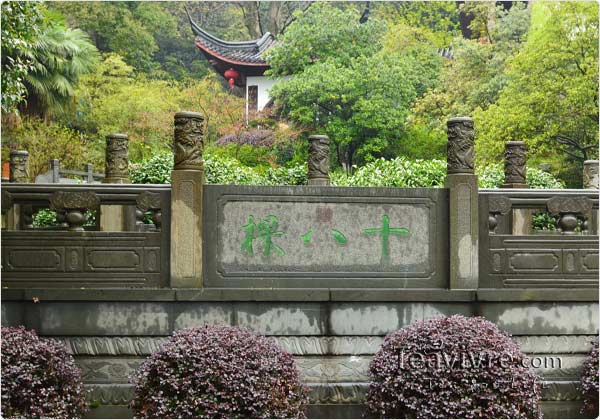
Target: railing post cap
19	153
116	136
459	119
591	162
515	143
189	114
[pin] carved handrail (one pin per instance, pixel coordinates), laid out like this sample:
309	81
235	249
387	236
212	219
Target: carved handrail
71	201
568	205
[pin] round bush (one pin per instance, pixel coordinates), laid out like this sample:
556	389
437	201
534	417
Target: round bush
589	382
453	367
39	378
218	372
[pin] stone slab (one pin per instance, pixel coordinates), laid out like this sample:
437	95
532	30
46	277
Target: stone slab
543	318
383	318
324	237
282	319
103	318
186	315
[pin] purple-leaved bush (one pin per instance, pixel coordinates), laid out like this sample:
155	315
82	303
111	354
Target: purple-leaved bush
589	382
39	377
218	372
453	367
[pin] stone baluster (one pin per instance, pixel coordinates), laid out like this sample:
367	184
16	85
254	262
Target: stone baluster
148	202
569	211
591	179
186	200
74	205
318	160
498	205
113	217
19	166
464	223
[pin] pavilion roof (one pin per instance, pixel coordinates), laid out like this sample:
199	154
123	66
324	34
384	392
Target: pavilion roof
242	53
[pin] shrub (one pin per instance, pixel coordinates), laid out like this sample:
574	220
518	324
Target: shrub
398	172
492	176
589	382
39	378
454	367
218	372
293	175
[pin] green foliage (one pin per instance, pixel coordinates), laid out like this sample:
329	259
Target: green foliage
543	221
293	175
114	99
219	169
355	89
324	32
20	23
439	18
399	172
156	170
59	57
49	141
492	176
44	218
477	74
551	99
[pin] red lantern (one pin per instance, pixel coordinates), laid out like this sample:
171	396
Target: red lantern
231	75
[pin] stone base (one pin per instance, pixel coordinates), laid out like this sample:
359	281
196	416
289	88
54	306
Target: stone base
464	232
319	181
186	228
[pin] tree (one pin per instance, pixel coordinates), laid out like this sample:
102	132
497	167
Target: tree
324	32
347	83
59	57
551	98
475	76
20	26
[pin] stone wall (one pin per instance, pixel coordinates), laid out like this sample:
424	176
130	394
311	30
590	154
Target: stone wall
332	333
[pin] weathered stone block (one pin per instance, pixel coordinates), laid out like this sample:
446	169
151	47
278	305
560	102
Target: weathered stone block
186	228
464	231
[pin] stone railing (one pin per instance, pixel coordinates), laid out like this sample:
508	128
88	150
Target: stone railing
128	245
515	254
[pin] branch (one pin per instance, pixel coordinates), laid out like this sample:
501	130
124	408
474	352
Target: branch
293	18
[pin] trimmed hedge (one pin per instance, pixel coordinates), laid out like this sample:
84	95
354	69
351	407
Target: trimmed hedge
218	372
454	367
39	378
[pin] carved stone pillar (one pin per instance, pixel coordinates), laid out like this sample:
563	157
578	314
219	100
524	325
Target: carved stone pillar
117	159
19	166
461	145
591	180
318	160
515	169
186	200
113	217
464	204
